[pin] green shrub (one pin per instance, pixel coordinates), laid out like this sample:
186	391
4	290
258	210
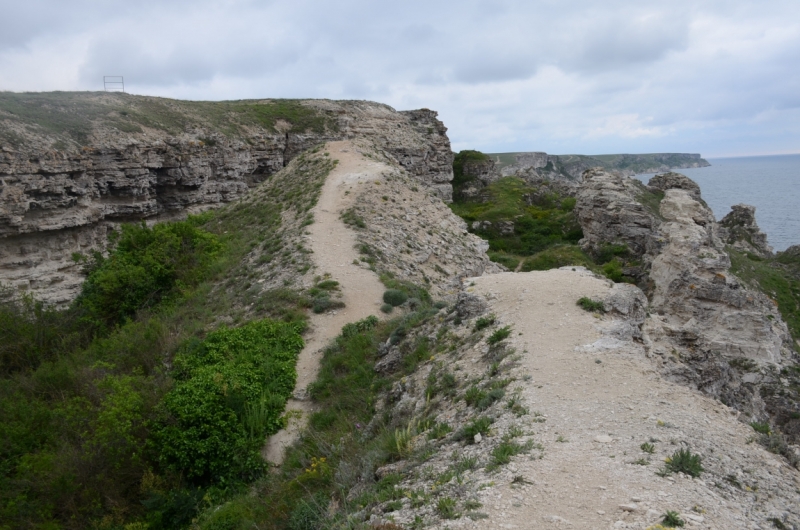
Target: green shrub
588	304
32	333
354	328
762	428
325	303
145	266
477	426
613	271
484	322
387	308
394	297
499	335
672	520
683	461
229	394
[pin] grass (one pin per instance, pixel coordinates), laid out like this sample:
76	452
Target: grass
73	116
778	278
114	383
479	425
446	508
648	448
536	226
530	227
484	322
594	306
504	451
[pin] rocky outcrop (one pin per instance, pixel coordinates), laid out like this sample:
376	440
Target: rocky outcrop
741	231
611	212
58	198
670	180
700	305
704	324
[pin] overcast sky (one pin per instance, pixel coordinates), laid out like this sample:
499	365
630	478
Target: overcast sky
721	78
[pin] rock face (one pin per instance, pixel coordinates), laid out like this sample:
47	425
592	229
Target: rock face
56	202
703	320
704	307
611	212
741	231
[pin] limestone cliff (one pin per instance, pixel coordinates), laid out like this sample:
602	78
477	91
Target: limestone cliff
72	165
571	167
708	328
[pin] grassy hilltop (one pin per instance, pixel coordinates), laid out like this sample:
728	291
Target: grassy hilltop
70	118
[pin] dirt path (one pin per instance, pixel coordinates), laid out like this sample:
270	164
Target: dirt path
599	405
333	246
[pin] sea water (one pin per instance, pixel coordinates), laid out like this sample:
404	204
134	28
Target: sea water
770	183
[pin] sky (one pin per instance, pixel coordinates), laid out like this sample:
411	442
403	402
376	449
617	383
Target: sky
719	77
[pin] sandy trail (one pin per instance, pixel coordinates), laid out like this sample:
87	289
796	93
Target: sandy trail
599	407
333	247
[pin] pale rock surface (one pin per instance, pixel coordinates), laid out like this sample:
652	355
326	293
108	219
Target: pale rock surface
54	203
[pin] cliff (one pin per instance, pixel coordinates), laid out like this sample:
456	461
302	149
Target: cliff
572	166
73	165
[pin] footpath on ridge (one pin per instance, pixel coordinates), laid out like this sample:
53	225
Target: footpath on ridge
334	252
602	399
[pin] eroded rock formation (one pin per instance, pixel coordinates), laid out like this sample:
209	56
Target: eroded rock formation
741	231
704	322
58	201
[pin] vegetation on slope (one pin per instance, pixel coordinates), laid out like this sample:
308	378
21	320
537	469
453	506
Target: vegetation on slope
148	412
778	277
73	116
532	227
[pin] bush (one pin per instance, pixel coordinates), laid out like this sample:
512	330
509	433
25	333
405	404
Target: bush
499	335
325	303
477	426
484	322
591	305
146	266
387	308
683	461
395	297
230	393
613	271
672	519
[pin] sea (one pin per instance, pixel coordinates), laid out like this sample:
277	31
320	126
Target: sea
770	183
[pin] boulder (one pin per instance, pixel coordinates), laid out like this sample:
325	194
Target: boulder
470	306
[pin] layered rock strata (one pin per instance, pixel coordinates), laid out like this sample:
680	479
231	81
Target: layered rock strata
56	202
704	322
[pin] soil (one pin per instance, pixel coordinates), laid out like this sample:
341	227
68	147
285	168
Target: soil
601	400
333	252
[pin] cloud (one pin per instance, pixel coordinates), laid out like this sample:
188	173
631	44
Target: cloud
560	76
